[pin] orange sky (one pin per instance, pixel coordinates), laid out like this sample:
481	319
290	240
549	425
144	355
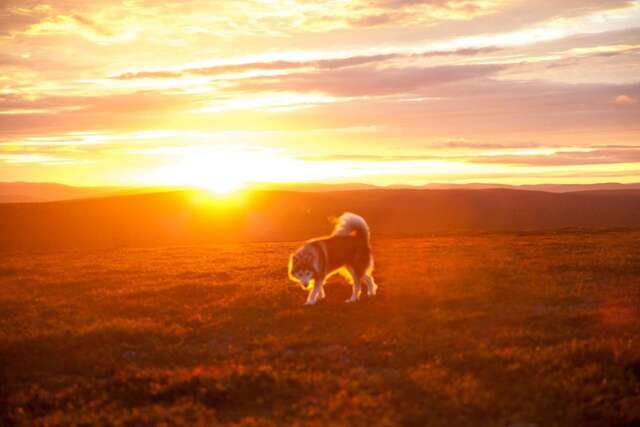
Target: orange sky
220	93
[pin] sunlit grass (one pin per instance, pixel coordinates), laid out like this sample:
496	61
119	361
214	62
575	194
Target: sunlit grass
492	330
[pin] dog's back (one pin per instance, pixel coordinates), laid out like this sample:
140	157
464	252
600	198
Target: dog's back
346	251
348	245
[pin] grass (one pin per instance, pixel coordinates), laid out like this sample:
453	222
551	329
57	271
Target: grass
496	330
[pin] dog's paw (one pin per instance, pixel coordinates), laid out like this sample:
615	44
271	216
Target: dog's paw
309	303
350	300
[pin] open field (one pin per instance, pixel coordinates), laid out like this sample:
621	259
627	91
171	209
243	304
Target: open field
494	329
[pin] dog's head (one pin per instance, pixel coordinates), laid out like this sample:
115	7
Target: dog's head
302	266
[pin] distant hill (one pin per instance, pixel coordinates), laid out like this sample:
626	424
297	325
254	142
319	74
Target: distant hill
189	217
17	192
552	188
20	192
568	188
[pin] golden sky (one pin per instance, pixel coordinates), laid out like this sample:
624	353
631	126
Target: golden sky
223	92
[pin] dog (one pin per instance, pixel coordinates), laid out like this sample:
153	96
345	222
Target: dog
346	251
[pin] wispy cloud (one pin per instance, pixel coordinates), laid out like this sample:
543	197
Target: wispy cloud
364	82
603	156
38	159
319	64
625	100
485	154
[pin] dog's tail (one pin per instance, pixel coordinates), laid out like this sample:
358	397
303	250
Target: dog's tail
349	223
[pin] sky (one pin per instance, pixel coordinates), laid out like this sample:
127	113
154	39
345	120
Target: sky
222	93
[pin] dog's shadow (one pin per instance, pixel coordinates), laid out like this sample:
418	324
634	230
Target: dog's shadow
337	291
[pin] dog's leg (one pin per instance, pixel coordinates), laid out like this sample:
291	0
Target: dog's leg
312	297
372	287
355	291
313	294
321	285
318	288
355	287
316	292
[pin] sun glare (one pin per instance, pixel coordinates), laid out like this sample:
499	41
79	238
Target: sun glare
224	187
221	170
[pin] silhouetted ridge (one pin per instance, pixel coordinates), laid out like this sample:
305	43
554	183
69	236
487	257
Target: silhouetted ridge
188	217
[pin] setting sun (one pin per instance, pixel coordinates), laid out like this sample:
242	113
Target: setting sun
218	169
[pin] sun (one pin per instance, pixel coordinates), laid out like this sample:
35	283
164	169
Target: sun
224	169
218	169
222	186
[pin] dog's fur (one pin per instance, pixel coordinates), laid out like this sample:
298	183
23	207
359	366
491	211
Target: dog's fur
347	251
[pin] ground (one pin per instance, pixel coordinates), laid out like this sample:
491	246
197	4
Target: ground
497	329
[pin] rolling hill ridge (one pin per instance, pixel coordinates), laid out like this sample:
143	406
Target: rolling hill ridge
190	217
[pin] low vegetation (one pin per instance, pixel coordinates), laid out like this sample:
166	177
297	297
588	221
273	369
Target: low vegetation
496	329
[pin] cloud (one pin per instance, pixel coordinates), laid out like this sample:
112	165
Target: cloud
568	158
374	20
625	100
479	145
282	65
35	19
17	159
363	81
242	67
376	13
149	75
411	12
467	100
459	101
93	25
241	18
368	14
9	60
14	103
484	109
129	103
17	17
467	51
570	8
408	3
373	158
48	114
233	17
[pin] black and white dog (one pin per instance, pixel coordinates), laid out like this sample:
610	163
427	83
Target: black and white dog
346	251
